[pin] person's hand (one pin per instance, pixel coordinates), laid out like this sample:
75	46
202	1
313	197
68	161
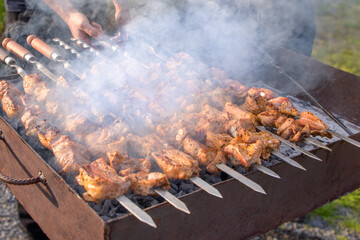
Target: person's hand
81	28
122	12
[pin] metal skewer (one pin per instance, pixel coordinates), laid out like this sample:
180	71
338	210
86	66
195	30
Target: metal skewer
177	203
10	61
206	187
244	180
136	210
71	49
91	49
24	54
50	53
265	170
288	160
261	128
346	139
124	53
317	143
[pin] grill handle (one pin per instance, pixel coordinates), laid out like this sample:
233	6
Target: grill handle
15	48
43	47
26	181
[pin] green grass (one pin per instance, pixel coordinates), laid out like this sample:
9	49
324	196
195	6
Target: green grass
2	16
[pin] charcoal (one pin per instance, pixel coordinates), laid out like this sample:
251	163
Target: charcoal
186	187
106	207
174	186
180	193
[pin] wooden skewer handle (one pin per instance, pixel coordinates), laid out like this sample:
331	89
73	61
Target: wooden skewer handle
15	48
40	46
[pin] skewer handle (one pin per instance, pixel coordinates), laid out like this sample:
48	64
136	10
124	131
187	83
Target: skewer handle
42	47
16	48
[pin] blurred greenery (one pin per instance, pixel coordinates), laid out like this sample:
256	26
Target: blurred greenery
337	43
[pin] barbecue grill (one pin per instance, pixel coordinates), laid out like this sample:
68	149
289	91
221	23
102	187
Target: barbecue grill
63	214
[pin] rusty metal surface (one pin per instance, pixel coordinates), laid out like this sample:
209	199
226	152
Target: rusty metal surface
242	213
58	210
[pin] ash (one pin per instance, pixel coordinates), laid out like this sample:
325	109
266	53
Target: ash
111	209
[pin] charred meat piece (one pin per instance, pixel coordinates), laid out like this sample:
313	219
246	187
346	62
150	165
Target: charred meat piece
144	183
283	105
31	82
236	125
30	119
101	181
77	124
217	141
142	147
205	155
176	164
47	133
125	165
268	118
261	92
69	154
235	112
6	86
245	154
267	139
13	103
291	129
316	125
255	105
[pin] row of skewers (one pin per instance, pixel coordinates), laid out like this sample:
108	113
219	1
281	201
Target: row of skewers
203	134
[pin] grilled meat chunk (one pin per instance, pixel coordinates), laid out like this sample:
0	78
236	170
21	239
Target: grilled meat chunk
31	82
99	149
267	139
144	183
245	154
261	92
30	119
13	103
217	141
70	155
205	155
268	118
101	181
235	112
176	164
47	133
283	105
125	165
77	124
255	105
291	129
143	146
316	125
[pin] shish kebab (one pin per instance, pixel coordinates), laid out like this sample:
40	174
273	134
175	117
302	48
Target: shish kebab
33	86
198	181
248	182
63	148
268	171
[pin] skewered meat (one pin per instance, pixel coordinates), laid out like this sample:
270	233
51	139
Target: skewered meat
236	112
125	165
144	183
267	139
245	154
70	155
206	156
268	118
316	125
255	105
176	164
101	181
31	82
283	105
6	86
217	141
13	103
99	150
78	124
261	92
143	146
47	133
30	119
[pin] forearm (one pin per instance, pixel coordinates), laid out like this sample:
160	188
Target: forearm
63	8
